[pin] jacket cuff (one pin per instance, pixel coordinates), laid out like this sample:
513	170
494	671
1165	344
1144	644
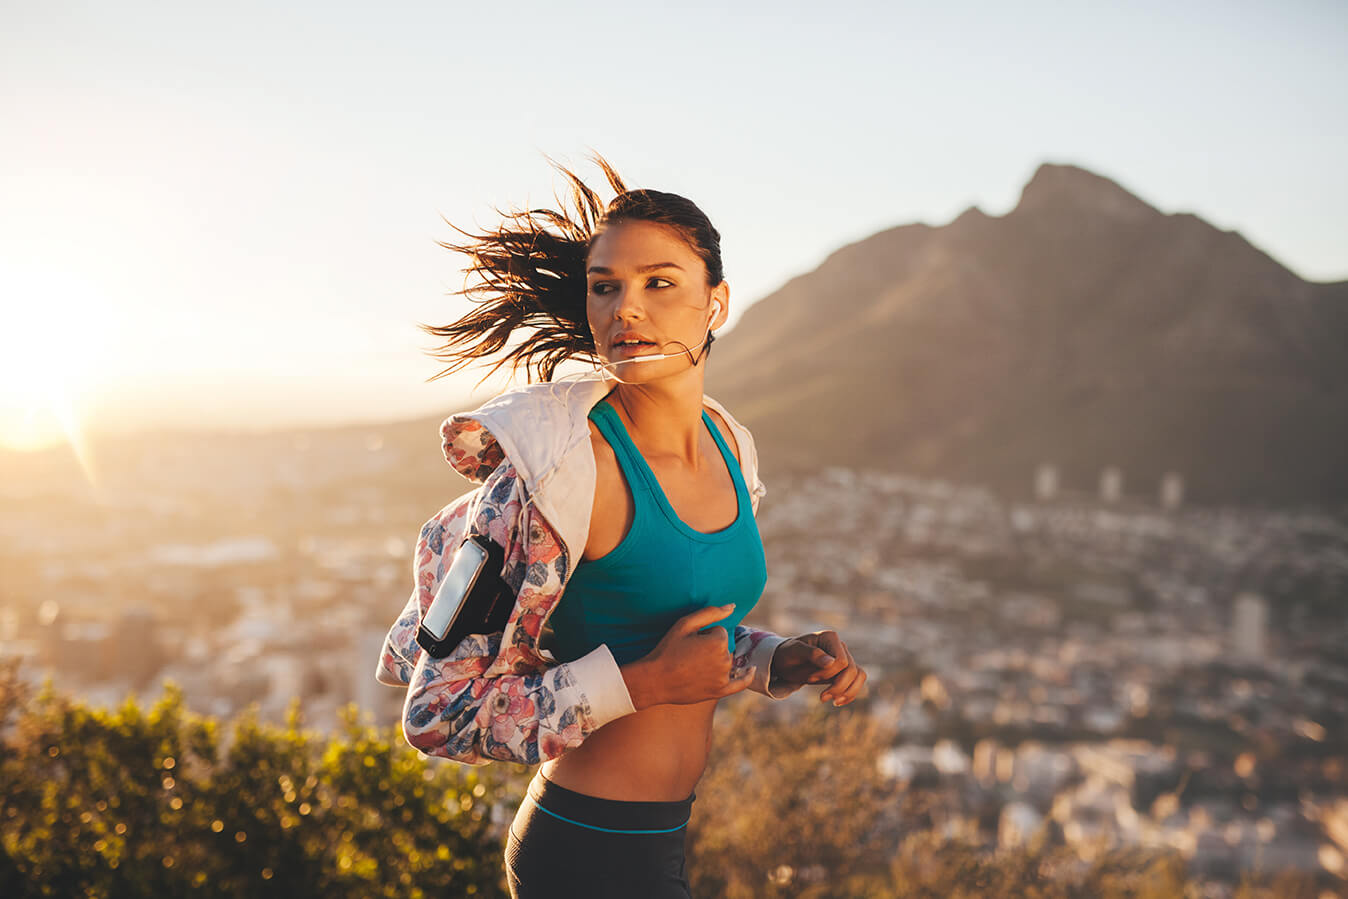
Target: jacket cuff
601	680
762	657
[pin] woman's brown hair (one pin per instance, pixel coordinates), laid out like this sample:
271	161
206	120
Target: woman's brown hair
530	275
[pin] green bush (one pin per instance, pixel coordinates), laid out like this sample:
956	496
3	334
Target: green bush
162	802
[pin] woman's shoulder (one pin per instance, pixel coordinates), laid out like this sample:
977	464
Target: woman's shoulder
739	438
604	455
742	443
720	422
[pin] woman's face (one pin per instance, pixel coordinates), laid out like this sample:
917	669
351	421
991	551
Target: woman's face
648	295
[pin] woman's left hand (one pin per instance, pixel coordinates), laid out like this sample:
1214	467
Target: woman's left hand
816	658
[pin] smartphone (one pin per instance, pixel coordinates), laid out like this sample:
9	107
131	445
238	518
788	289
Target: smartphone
472	598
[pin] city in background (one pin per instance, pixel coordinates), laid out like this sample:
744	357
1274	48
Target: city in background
1108	663
1037	316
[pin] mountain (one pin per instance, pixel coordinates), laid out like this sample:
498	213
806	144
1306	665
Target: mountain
1084	328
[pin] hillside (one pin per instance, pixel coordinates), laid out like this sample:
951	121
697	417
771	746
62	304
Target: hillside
1084	328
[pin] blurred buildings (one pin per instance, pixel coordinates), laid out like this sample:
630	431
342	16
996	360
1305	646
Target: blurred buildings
1091	670
1101	673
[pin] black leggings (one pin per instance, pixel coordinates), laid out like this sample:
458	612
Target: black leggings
564	843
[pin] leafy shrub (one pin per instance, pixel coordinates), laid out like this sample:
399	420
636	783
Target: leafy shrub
162	802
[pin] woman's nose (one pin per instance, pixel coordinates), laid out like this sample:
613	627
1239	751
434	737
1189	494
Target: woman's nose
627	304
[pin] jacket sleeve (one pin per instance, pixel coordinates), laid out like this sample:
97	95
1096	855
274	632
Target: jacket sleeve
401	649
489	699
754	646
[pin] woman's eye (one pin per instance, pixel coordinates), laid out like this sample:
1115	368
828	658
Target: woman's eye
602	288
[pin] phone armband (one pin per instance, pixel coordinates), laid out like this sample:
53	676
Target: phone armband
472	598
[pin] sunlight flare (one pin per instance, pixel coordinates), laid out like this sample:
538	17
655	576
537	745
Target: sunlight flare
51	343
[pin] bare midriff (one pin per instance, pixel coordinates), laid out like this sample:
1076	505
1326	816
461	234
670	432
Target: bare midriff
655	754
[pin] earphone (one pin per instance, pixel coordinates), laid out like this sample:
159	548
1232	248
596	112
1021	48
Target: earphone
608	367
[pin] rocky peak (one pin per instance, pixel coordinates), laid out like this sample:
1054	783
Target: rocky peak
1067	188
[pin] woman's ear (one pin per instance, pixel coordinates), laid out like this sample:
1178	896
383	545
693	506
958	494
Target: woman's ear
720	304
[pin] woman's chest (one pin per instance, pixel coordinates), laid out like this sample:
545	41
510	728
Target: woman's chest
632	597
628	485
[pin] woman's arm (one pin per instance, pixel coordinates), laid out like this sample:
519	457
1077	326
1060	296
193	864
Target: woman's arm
456	710
494	697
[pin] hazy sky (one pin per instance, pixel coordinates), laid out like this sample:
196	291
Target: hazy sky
228	213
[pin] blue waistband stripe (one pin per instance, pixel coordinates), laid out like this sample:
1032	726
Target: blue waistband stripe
605	829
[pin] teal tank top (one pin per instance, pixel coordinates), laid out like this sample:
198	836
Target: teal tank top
662	569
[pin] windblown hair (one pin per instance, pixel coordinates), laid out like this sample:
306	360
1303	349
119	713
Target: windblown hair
531	282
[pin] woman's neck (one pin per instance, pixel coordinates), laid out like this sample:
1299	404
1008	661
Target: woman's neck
664	417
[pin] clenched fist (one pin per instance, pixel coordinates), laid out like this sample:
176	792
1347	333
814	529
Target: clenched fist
688	665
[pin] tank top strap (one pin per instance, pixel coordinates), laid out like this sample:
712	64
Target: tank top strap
634	468
731	465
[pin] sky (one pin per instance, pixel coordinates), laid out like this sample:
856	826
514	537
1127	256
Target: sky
226	215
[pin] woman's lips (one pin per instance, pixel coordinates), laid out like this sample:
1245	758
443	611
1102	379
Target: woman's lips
640	348
633	349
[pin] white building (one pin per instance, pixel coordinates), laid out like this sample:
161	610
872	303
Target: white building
1249	622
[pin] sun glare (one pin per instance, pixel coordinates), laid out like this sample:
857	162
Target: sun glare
49	348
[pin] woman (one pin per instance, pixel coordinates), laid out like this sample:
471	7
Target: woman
626	501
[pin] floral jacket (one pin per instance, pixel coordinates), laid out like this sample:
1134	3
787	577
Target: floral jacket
502	695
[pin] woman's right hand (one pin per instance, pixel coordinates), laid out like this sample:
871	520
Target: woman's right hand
686	667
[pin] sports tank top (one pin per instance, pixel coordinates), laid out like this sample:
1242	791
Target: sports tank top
662	569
